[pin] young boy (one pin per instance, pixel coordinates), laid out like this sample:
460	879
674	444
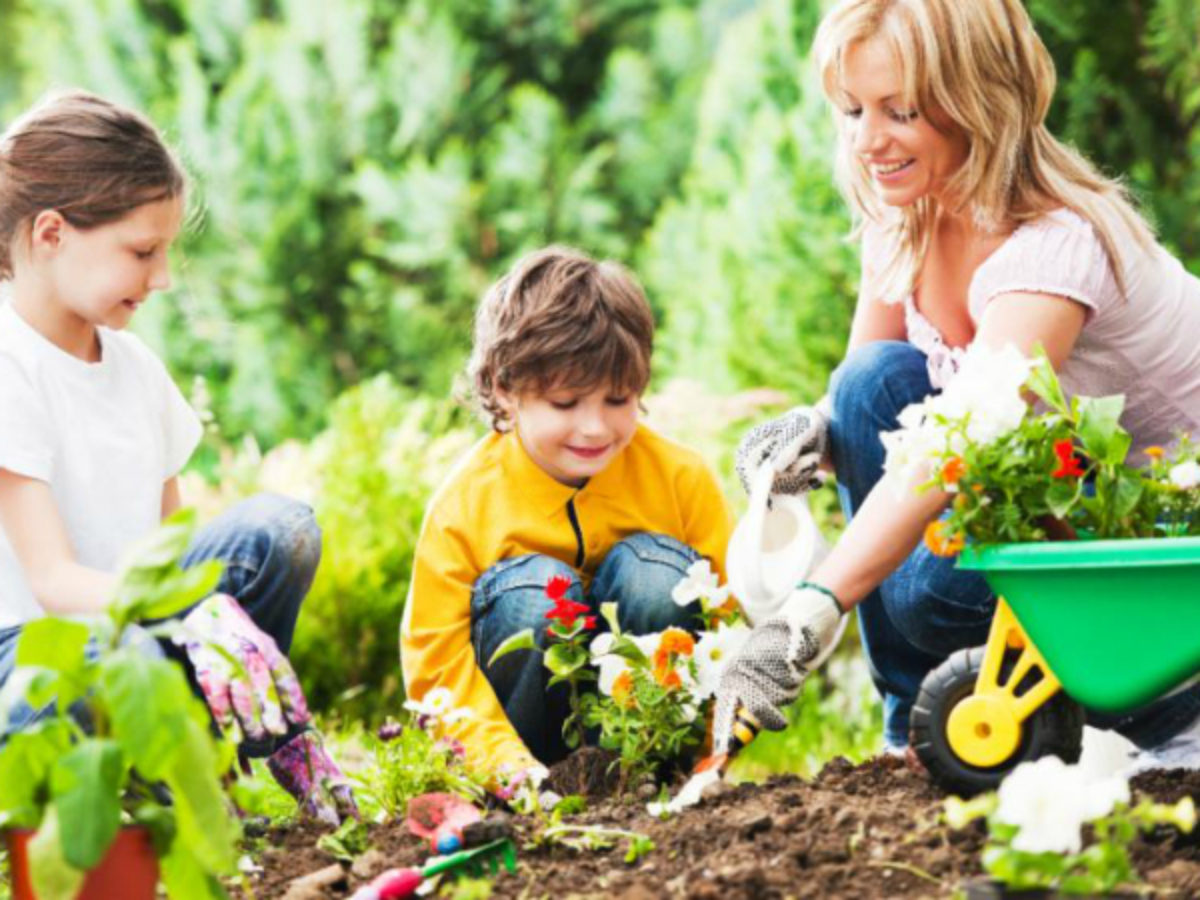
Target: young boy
567	484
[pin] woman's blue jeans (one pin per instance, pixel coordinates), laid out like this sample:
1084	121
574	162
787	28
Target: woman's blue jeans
637	574
928	608
270	546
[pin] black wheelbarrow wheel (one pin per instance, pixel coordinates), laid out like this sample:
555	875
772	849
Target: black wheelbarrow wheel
1053	729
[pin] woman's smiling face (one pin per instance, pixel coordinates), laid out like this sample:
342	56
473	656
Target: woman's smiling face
907	157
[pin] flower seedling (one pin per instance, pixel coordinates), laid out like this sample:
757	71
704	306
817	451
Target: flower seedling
566	655
1036	827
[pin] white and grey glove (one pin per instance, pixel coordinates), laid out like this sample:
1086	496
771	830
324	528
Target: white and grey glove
769	671
792	444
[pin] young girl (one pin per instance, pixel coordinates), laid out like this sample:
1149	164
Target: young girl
93	432
977	226
569	486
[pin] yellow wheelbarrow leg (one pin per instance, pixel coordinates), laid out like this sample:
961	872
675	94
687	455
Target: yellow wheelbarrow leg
984	729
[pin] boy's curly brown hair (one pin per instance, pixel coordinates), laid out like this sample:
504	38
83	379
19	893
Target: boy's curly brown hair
559	319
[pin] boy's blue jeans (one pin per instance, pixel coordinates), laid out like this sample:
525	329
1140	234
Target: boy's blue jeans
637	574
270	546
927	608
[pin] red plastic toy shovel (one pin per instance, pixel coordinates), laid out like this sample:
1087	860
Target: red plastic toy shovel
440	819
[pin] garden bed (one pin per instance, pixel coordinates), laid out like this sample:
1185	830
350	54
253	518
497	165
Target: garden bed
871	831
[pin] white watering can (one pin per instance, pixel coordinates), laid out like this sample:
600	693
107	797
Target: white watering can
774	547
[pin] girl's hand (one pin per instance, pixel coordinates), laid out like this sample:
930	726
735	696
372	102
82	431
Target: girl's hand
247	682
304	769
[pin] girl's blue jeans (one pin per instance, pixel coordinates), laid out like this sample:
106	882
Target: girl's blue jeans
928	609
270	546
637	574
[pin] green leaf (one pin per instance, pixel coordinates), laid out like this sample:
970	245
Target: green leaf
26	761
565	659
1130	486
147	702
1099	430
52	876
1062	495
185	878
625	648
86	784
1045	384
54	644
202	818
522	640
609	612
164	546
180	590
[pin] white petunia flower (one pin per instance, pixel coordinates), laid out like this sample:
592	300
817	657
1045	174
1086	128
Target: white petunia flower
1049	802
438	705
611	665
1186	475
713	652
700	583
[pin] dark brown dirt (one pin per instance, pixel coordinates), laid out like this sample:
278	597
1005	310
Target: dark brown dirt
858	833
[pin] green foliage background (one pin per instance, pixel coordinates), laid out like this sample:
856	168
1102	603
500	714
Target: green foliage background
365	168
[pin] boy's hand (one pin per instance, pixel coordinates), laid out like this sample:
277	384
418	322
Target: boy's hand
247	682
768	672
792	444
304	769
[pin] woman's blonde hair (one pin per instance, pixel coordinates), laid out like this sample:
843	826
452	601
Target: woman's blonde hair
981	65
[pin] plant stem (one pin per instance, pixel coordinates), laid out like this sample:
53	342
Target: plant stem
904	867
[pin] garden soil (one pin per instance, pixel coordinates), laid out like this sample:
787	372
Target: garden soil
854	832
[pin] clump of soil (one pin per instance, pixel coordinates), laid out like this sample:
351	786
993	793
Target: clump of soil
853	832
589	772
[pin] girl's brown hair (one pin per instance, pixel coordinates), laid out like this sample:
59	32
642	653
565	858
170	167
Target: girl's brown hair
91	160
560	319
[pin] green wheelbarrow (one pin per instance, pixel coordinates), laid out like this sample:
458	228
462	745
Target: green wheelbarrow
1104	625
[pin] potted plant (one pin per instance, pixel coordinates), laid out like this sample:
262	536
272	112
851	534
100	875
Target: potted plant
122	772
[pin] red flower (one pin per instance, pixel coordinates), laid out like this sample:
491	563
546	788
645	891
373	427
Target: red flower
1068	462
557	587
567	611
589	623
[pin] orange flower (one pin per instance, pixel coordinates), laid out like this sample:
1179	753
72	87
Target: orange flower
667	677
937	541
1154	452
677	641
622	689
952	472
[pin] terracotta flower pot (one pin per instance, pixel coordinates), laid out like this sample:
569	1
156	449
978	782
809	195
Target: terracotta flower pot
128	871
990	889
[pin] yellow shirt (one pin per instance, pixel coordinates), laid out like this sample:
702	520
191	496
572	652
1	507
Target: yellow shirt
499	504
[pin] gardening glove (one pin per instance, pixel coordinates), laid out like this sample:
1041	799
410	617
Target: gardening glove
792	445
766	675
246	681
304	769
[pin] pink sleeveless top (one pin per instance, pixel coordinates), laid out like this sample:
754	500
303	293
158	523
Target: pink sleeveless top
1145	345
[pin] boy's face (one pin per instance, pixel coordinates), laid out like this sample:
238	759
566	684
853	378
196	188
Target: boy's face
572	434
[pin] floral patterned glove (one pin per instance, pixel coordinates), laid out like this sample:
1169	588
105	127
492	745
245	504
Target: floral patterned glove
247	682
304	769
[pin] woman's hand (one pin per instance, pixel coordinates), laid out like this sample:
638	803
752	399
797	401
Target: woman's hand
793	445
248	684
768	673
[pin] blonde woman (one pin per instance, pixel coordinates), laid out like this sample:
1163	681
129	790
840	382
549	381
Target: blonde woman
977	226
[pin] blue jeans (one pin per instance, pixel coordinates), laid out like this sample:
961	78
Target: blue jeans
637	574
270	546
928	608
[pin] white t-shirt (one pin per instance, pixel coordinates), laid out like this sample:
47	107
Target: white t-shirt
105	436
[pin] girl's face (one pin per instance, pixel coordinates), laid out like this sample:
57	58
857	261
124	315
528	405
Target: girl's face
908	157
103	275
573	435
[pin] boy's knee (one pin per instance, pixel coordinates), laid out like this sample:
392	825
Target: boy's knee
638	575
511	595
878	379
